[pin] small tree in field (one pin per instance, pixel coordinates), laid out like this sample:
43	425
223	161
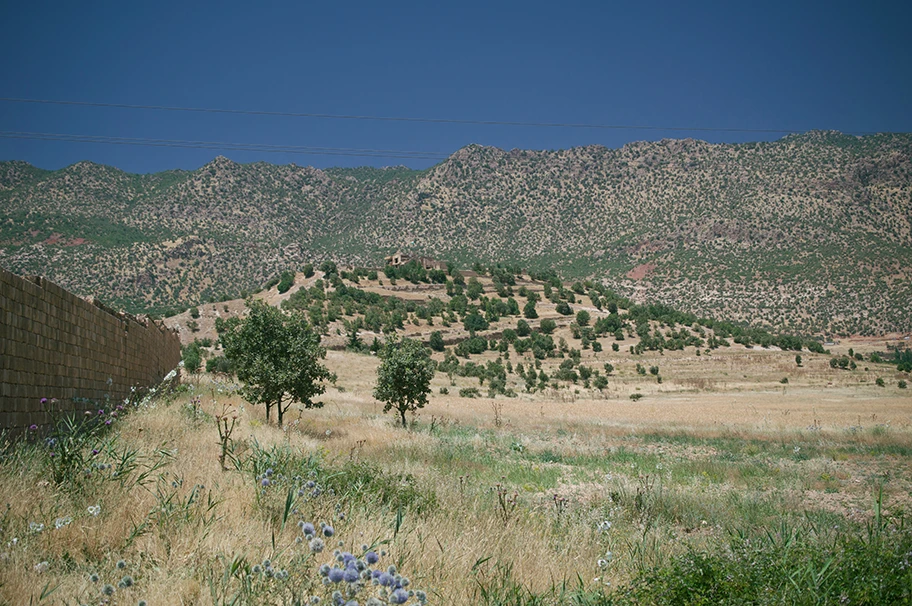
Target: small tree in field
404	377
277	356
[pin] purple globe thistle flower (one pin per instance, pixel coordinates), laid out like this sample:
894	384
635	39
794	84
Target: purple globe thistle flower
328	531
308	529
33	427
311	483
108	590
351	575
44	400
317	545
324	570
376	573
400	596
371	557
265	482
336	575
269	472
386	579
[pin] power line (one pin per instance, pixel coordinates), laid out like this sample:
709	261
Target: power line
414	119
225	146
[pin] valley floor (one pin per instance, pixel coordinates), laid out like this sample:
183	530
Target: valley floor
562	496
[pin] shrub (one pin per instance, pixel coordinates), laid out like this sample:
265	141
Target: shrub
547	326
286	281
469	392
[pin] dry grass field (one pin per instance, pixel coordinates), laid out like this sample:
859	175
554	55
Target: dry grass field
562	496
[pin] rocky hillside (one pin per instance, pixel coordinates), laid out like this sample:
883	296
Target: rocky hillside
811	232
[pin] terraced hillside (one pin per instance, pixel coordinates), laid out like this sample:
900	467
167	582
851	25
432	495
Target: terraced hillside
810	233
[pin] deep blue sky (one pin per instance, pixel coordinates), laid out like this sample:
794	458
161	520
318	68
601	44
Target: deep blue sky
758	65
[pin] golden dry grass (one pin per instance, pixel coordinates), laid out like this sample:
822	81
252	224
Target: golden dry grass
592	449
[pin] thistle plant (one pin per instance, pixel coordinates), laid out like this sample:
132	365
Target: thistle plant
226	422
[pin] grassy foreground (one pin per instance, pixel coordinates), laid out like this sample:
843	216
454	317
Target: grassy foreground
535	503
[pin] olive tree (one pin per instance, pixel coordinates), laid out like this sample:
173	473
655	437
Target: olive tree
404	377
277	356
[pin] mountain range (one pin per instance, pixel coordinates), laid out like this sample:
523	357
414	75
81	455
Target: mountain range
810	233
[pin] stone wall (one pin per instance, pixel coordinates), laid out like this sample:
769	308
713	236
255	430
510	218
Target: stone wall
56	345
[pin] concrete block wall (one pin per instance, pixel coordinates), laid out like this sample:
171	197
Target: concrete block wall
54	344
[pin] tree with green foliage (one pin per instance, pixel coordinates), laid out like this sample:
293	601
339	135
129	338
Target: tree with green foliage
522	328
286	282
547	326
474	289
277	356
583	317
563	308
404	377
328	267
529	310
474	322
192	358
436	341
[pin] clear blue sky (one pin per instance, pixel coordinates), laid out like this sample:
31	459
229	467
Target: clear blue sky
752	65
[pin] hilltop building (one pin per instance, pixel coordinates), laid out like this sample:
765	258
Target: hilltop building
400	258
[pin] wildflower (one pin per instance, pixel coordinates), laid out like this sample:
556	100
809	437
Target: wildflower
421	596
308	528
267	563
400	596
121	564
317	545
44	400
269	473
33	427
127	581
35	527
141	603
386	579
256	569
108	590
351	575
604	526
315	600
93	577
61	522
371	557
336	575
41	566
328	531
265	482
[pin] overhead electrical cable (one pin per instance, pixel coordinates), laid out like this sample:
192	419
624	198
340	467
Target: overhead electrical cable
582	125
223	145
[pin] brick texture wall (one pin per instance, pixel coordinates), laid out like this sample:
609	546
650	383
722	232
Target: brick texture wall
54	344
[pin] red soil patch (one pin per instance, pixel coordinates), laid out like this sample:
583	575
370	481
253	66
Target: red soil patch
641	271
56	238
